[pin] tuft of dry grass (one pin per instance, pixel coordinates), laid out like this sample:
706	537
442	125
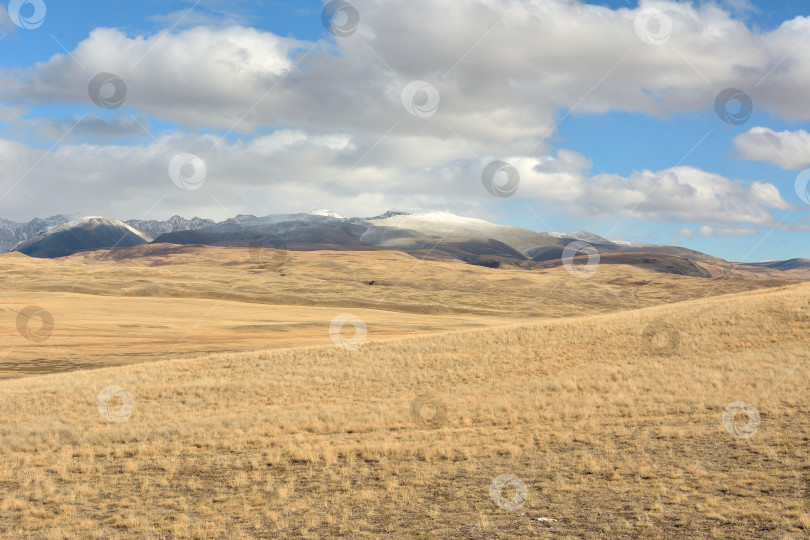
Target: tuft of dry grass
612	430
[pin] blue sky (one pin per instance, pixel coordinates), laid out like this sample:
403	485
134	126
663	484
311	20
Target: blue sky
287	111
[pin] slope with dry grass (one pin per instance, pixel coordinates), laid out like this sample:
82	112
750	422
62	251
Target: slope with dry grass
612	423
161	301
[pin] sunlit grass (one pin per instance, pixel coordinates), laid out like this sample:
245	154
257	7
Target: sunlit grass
160	302
609	439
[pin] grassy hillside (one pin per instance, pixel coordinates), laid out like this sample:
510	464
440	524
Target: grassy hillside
608	428
162	301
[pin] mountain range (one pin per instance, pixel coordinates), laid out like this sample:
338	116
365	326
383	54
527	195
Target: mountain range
428	235
13	233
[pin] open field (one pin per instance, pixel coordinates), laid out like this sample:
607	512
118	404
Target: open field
162	301
612	430
405	269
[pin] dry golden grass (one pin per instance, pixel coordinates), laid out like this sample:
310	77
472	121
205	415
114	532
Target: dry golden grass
613	433
158	302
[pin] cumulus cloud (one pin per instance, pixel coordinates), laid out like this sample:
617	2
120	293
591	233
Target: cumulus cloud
94	127
169	76
86	128
504	69
286	171
678	194
10	115
740	7
789	150
291	170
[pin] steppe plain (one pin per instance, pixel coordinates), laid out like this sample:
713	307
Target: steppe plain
608	400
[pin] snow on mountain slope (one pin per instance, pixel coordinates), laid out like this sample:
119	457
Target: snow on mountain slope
155	228
435	223
12	232
92	223
420	230
83	234
592	238
446	226
584	236
632	244
326	213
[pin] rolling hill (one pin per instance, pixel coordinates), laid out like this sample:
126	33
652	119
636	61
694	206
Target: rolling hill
154	301
83	234
613	425
494	380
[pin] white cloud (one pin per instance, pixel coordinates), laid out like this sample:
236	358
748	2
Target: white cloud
90	127
197	77
292	170
503	69
10	115
740	7
716	232
789	150
678	194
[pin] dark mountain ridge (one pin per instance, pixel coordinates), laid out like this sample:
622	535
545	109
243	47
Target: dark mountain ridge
428	235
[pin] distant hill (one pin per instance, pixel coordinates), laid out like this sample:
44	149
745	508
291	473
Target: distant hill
790	264
83	234
656	262
428	235
12	233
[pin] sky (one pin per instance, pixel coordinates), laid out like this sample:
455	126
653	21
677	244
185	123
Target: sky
677	123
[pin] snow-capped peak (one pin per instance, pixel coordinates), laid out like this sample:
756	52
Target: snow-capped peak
326	213
430	220
92	222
